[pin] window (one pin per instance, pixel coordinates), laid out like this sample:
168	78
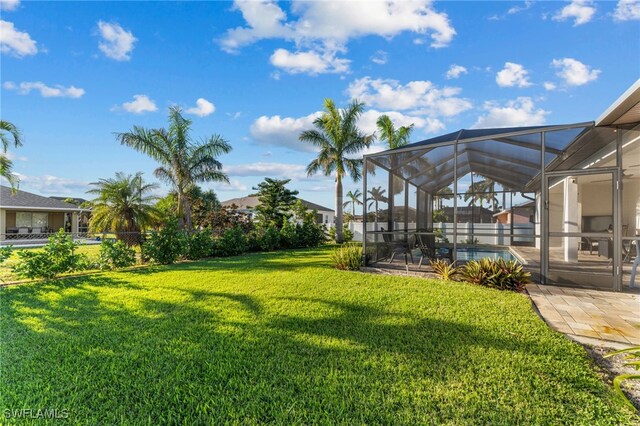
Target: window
32	220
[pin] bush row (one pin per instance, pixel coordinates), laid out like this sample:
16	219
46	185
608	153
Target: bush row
496	273
171	244
167	246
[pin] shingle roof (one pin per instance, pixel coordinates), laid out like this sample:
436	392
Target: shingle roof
28	200
252	201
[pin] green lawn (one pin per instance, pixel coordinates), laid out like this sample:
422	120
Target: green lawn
284	338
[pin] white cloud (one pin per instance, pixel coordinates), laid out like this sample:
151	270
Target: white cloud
202	109
233	185
262	168
9	5
424	97
369	118
116	43
456	71
140	105
627	10
320	30
514	113
311	62
52	185
14	42
14	157
574	72
284	132
513	75
380	57
548	85
581	11
57	91
517	9
331	22
235	115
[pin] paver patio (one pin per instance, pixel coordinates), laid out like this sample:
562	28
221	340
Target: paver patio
593	314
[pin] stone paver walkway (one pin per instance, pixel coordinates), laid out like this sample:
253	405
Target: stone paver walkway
594	314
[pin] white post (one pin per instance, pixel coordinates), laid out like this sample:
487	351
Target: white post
74	222
571	219
3	223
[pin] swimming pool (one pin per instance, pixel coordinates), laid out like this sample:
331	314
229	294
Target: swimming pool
465	254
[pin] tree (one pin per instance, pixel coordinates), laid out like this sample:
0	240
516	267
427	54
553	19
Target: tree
183	161
338	137
124	205
6	165
276	202
354	198
395	138
376	196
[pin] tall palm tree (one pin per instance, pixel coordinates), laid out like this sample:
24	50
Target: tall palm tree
394	138
376	196
6	165
123	205
338	137
354	198
183	161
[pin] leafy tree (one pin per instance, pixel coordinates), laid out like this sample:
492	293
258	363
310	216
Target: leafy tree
202	203
124	205
276	202
6	165
183	161
228	217
338	138
354	198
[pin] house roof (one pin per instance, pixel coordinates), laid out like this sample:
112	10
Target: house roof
625	110
76	201
251	202
28	200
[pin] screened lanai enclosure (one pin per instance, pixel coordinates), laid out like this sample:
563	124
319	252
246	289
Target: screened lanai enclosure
563	200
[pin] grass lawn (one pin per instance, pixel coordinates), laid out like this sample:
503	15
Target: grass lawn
284	338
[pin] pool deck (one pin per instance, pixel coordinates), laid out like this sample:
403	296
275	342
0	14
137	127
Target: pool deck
589	314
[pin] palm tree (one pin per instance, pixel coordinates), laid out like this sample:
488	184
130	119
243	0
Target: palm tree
338	137
6	165
183	162
445	193
354	198
124	206
395	138
377	196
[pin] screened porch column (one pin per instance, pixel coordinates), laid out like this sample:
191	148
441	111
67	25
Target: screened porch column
571	219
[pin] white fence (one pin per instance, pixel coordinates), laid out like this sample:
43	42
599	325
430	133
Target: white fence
484	233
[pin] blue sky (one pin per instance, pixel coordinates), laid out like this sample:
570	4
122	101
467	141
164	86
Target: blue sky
73	73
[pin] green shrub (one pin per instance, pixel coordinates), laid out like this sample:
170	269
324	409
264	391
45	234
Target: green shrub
444	269
5	253
310	234
347	235
200	245
347	257
55	258
232	242
496	273
253	240
632	359
270	239
115	254
289	235
166	246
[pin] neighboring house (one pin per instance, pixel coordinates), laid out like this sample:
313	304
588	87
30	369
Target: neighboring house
523	213
27	216
470	214
324	215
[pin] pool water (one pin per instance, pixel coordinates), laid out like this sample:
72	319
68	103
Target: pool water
465	254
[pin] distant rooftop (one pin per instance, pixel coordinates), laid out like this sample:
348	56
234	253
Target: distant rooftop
251	202
28	200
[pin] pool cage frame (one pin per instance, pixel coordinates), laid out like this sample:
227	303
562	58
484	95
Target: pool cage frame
558	161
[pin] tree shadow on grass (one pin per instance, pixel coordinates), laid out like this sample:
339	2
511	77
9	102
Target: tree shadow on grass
127	356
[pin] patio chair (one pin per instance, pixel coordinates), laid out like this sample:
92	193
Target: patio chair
23	230
397	247
427	245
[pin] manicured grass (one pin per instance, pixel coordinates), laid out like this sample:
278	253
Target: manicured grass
284	338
